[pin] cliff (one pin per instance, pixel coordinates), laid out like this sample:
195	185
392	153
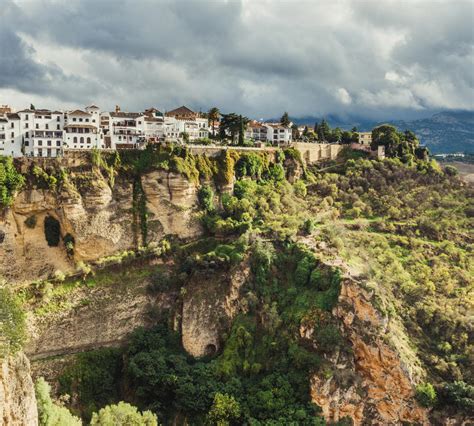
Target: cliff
17	393
99	219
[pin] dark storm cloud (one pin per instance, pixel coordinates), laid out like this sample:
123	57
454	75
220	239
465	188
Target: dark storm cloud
373	58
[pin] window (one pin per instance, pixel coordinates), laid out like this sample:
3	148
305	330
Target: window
40	152
88	140
58	118
58	127
80	119
13	125
26	125
74	139
26	117
81	140
47	126
40	143
13	134
87	120
74	119
49	143
27	135
37	126
27	143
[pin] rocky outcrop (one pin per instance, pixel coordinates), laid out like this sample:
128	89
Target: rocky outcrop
370	384
98	217
91	318
17	393
209	305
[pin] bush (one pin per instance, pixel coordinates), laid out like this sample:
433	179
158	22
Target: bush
49	413
451	171
10	181
123	414
12	322
52	231
30	222
458	394
225	409
206	198
425	395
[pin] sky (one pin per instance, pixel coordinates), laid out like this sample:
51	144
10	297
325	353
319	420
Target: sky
380	59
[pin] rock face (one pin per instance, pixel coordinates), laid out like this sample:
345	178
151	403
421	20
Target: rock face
92	318
370	385
98	217
17	393
209	305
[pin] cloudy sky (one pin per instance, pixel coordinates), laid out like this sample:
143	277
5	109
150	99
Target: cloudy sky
375	59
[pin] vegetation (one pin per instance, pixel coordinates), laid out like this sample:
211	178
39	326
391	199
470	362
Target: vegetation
123	414
12	322
50	413
10	181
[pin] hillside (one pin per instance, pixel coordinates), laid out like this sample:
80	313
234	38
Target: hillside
241	288
444	132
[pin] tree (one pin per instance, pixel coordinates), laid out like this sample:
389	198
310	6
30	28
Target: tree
225	409
346	137
285	119
241	131
123	414
335	135
32	107
231	124
49	413
323	130
213	116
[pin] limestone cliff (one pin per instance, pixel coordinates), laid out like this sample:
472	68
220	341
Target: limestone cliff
98	217
17	394
369	384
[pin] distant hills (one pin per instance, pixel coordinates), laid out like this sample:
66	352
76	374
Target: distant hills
444	132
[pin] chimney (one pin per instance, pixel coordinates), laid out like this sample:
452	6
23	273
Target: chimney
117	108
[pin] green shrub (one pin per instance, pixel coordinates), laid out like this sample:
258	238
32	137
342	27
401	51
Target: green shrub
49	413
224	411
206	198
52	231
10	181
123	414
426	395
459	395
12	322
93	377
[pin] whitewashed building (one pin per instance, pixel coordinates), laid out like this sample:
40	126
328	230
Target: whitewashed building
126	130
275	133
41	132
10	135
82	129
182	121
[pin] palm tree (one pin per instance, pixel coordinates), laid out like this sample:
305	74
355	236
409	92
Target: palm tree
213	116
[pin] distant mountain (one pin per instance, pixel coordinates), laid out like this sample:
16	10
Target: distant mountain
444	132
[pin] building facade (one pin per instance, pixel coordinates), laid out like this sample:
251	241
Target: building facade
365	138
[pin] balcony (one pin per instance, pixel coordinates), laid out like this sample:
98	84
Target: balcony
46	134
125	123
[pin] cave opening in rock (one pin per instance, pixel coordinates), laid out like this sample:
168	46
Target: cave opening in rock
52	231
210	350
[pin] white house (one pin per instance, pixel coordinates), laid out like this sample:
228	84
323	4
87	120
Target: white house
126	130
278	134
82	129
41	131
10	137
184	120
